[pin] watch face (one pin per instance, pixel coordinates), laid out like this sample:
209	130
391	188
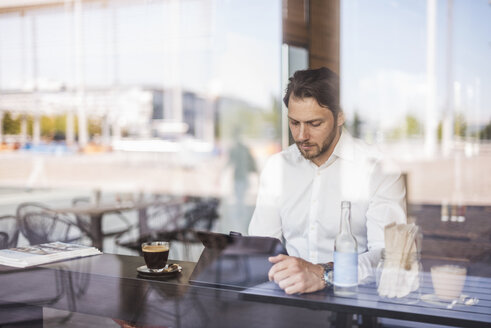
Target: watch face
328	277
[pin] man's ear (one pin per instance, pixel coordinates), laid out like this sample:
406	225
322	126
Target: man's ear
340	118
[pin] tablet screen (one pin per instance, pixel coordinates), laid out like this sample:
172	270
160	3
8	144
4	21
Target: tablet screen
234	261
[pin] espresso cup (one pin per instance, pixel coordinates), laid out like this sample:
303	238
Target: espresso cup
448	281
155	254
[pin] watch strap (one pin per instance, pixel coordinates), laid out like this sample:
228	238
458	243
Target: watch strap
327	275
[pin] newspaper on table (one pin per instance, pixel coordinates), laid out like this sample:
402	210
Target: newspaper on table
28	256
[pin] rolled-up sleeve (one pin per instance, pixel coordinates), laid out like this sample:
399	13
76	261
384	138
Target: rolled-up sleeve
386	205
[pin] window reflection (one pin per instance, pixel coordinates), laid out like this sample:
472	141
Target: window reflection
179	98
413	76
143	98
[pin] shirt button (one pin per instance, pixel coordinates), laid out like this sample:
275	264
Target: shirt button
312	228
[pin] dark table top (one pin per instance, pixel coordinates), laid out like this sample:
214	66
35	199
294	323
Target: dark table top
109	285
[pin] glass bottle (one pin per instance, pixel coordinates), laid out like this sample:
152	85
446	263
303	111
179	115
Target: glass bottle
345	255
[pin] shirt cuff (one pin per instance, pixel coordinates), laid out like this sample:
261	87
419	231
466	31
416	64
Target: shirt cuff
367	263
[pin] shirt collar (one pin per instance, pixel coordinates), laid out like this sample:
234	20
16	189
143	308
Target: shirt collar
344	149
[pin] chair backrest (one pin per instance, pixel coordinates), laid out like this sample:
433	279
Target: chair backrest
40	225
4	240
202	214
29	207
164	215
173	219
196	213
9	229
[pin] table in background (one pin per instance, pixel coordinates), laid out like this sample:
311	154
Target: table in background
96	213
465	243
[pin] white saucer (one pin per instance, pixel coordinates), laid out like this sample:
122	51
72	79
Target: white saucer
169	270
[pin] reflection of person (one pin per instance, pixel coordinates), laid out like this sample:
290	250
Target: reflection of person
240	158
302	187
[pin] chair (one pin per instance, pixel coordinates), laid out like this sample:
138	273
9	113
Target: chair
174	220
83	221
41	225
164	217
9	231
158	220
202	214
178	222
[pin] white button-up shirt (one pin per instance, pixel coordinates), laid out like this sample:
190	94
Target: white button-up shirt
300	202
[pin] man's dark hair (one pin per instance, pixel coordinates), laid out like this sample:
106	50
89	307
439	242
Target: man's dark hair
322	84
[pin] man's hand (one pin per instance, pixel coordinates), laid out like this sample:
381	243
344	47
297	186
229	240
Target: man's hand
295	275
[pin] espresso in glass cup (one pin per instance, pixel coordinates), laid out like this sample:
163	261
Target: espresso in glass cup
155	254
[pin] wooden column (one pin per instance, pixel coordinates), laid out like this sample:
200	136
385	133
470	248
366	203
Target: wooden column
315	26
295	23
324	34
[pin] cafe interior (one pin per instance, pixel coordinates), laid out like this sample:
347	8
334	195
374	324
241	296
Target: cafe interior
124	122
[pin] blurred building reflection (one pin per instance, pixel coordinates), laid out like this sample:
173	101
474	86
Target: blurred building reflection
155	91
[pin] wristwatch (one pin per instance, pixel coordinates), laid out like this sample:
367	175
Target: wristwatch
327	276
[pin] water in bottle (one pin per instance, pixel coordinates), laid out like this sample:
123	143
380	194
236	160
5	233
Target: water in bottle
345	255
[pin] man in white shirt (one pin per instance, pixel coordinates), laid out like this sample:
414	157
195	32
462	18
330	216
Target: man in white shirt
301	189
